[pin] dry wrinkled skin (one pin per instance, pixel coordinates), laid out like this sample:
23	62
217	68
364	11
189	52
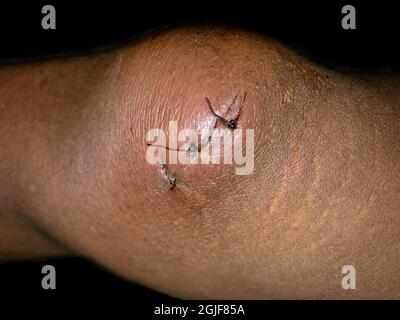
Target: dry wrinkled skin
324	192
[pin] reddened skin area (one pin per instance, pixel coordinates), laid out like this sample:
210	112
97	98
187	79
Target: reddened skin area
317	199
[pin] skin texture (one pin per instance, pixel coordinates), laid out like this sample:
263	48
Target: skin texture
324	192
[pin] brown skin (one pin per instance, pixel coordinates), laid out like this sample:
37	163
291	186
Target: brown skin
324	192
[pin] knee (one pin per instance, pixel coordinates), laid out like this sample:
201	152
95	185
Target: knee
157	222
190	97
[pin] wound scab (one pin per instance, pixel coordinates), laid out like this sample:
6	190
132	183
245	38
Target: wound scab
169	177
228	120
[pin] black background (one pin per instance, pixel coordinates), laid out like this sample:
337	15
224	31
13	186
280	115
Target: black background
312	28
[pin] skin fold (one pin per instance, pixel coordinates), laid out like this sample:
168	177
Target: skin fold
324	192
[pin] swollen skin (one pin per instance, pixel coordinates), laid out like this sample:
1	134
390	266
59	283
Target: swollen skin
323	192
